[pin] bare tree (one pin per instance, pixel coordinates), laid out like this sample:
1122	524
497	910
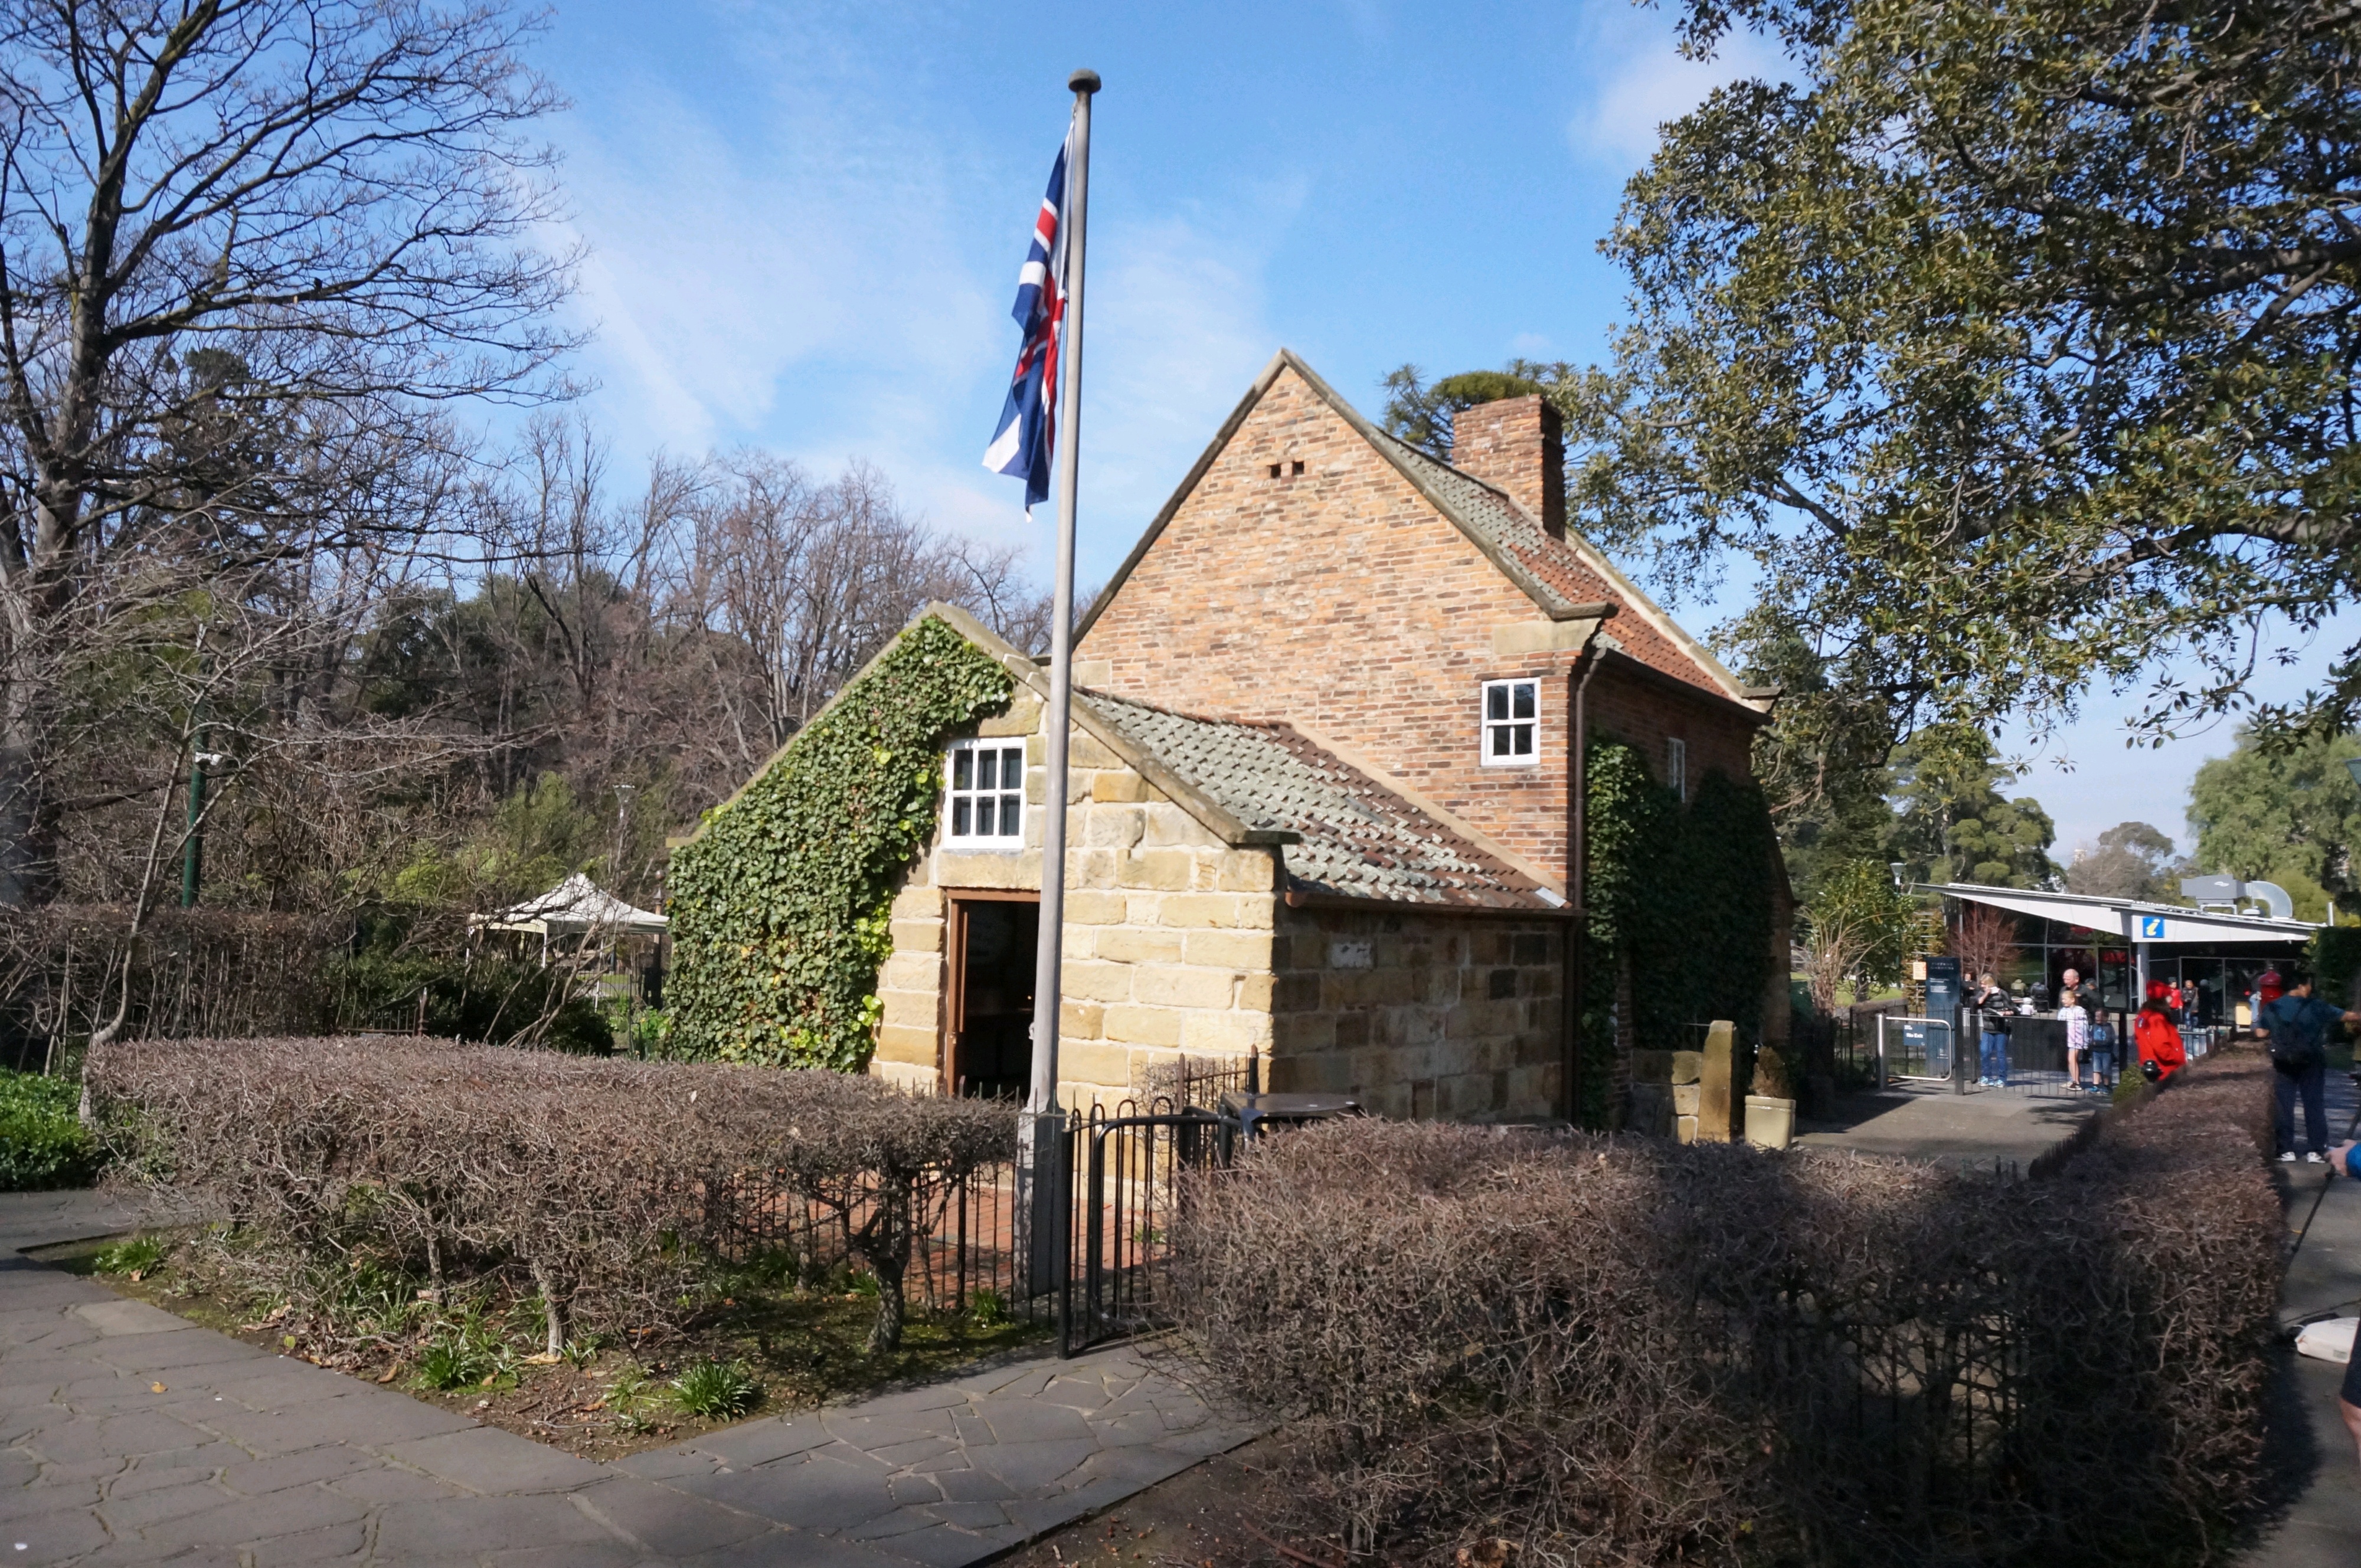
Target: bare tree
228	229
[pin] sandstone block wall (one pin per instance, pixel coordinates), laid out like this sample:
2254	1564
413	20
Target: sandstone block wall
1167	938
1416	1013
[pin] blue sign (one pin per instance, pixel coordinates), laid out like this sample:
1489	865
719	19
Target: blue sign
2151	927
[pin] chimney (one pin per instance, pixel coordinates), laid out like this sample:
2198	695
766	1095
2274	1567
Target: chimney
1517	445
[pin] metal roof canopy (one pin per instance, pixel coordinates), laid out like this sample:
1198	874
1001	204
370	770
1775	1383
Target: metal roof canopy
2130	919
575	906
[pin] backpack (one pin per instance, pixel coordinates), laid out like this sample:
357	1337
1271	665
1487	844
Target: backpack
2289	1050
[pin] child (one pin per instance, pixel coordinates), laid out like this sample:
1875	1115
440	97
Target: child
2077	1041
2160	1042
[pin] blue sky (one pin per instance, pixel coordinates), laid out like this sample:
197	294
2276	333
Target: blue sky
804	224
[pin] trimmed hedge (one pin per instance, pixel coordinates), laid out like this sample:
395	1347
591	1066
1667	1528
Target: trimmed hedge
605	1185
42	1146
1624	1351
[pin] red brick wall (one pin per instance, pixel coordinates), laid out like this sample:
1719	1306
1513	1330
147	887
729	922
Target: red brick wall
1339	599
1516	445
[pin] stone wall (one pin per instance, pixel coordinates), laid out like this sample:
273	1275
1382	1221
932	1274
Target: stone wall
1168	941
1419	1013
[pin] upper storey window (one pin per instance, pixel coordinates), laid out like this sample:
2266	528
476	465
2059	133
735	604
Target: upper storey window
1676	766
1511	723
986	808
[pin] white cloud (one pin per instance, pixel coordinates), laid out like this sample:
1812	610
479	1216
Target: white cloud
777	284
1640	81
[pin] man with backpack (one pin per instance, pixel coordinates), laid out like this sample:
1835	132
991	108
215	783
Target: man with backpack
2296	1023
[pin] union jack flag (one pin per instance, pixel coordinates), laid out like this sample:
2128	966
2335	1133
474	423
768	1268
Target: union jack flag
1025	443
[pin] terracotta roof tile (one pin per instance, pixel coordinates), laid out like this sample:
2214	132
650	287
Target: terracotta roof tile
1358	837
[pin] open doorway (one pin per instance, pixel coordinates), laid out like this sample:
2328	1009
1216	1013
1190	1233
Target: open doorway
992	950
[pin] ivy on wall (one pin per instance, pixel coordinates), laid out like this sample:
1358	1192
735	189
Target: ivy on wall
1684	891
780	907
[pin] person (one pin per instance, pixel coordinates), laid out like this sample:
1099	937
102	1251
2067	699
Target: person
2295	1026
2177	1001
1993	1007
2076	1019
2158	1038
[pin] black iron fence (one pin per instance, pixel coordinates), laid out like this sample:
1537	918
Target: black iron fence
1118	1181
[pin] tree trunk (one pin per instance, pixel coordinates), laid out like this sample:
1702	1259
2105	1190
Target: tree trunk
886	1247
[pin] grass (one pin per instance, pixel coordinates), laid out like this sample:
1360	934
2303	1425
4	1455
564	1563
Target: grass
761	1342
134	1256
718	1388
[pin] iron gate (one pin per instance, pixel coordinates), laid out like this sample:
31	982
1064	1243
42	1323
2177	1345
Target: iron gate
1129	1188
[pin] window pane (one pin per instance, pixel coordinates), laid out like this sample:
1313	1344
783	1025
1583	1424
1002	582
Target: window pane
962	816
1525	694
1012	767
1524	733
1012	817
984	828
987	770
962	768
1496	702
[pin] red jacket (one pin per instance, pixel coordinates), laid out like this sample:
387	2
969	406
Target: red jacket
2160	1042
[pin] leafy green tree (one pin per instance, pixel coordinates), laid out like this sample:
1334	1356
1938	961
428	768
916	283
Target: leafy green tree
2285	813
2131	859
2015	343
1421	413
1951	823
1859	931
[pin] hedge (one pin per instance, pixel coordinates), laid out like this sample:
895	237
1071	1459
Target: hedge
1613	1350
42	1146
605	1185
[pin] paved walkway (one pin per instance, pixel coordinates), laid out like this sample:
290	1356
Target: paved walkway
130	1435
1931	1122
2312	1455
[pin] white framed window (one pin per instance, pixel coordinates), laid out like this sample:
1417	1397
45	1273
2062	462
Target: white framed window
1512	722
1676	767
984	785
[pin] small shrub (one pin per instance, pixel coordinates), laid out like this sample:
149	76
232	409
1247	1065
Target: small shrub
43	1146
987	1309
458	1358
1771	1079
716	1388
134	1256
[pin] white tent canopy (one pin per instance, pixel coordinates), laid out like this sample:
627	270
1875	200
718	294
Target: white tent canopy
575	906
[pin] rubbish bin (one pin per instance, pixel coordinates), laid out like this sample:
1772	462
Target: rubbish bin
1251	1111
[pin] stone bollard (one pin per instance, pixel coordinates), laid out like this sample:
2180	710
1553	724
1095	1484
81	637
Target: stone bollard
1714	1102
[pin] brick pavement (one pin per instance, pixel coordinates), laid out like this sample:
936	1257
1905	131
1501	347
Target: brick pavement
129	1435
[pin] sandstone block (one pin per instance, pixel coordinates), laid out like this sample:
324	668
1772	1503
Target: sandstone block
1141	1025
908	1043
1688	1066
918	936
1113	785
1200	909
1097	981
1230	949
1140	944
1176	985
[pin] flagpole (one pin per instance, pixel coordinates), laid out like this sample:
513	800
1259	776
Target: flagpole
1047	994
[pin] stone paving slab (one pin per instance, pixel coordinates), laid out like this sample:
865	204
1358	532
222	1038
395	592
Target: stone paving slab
250	1459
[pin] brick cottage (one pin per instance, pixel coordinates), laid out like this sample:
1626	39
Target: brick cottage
1321	765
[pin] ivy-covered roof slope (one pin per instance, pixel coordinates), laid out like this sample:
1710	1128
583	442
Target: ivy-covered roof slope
1343	832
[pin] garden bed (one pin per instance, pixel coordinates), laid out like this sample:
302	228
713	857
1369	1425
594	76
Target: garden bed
793	1349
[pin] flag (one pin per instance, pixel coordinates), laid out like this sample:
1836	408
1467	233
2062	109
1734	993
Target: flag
1025	443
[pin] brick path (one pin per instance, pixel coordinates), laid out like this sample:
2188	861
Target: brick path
247	1458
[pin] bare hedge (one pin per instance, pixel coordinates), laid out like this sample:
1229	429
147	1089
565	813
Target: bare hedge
1623	1351
606	1184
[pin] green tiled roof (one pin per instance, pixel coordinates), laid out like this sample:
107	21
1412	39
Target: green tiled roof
1358	839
